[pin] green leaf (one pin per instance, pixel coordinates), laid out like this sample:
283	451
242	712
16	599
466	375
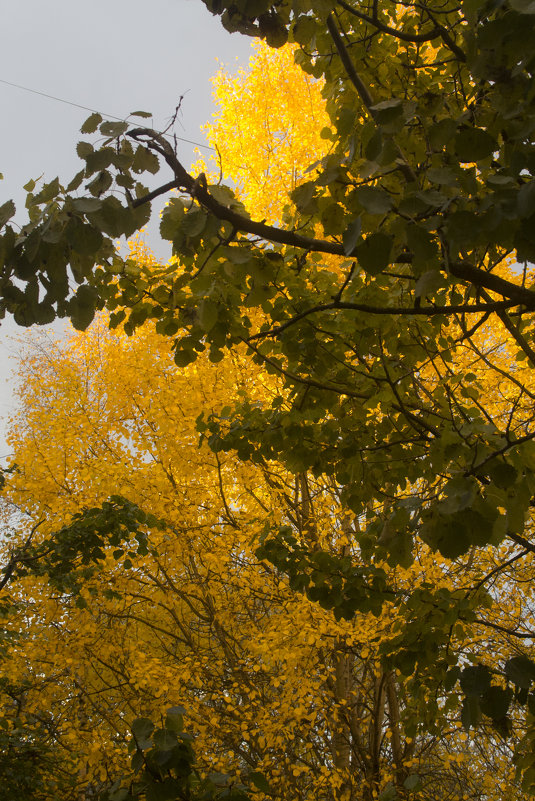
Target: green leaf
194	221
208	313
82	307
374	200
84	204
389	793
174	718
429	282
412	782
523	6
91	124
504	475
273	29
474	144
521	671
441	132
470	712
7	210
526	198
113	128
304	29
49	192
475	680
374	253
84	149
260	781
387	110
145	161
495	702
351	236
164	740
83	238
303	197
333	219
145	114
223	195
421	244
142	729
76	181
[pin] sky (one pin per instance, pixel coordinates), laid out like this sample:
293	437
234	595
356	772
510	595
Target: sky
112	56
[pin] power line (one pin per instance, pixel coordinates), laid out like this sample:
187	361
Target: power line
92	110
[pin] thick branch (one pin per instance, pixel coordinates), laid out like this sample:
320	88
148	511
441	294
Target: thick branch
405	37
356	80
362	89
467	272
513	330
270	233
428	311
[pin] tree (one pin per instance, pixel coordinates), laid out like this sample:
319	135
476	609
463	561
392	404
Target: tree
384	288
124	627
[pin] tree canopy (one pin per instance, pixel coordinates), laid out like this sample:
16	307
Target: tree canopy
381	293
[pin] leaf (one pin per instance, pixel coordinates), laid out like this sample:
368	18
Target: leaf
441	133
194	221
333	219
100	184
84	149
84	204
504	475
412	782
174	718
521	671
146	114
208	313
474	144
142	729
82	307
260	781
145	161
526	198
7	210
273	29
523	6
389	793
387	110
76	181
495	702
303	197
223	195
374	253
470	712
475	680
304	29
83	238
113	128
351	236
91	124
49	192
164	740
374	200
428	283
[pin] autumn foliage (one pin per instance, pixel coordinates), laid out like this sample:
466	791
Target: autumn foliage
316	697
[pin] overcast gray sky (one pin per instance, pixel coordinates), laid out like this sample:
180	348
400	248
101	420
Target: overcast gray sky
113	56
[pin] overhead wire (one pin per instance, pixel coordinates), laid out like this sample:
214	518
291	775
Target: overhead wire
94	111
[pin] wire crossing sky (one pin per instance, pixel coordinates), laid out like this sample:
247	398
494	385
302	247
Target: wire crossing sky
120	55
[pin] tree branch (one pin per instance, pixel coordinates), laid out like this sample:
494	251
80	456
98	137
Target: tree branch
405	37
428	311
363	90
270	233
